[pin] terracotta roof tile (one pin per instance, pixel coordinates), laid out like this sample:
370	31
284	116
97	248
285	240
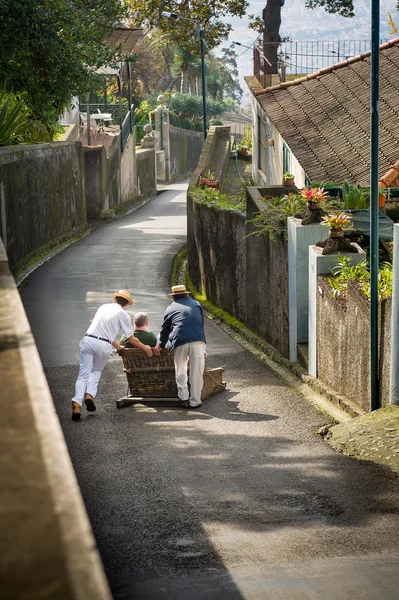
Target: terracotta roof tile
325	117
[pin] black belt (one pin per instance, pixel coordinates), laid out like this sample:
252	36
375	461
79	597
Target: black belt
98	338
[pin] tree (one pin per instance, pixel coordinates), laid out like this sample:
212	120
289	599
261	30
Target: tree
50	49
270	23
208	14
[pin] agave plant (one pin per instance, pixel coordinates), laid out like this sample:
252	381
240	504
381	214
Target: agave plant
337	221
316	195
12	118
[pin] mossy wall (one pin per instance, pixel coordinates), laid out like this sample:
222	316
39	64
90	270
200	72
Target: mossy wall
146	174
185	150
245	276
42	196
343	342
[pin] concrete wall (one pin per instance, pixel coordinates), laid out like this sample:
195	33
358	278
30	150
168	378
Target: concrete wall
129	187
146	173
46	544
343	339
42	198
185	150
246	276
115	181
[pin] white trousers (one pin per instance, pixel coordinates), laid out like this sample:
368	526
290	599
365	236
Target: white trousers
93	358
194	351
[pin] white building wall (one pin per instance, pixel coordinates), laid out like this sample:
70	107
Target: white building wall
271	143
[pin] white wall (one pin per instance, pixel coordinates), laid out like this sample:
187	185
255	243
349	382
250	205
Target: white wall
272	172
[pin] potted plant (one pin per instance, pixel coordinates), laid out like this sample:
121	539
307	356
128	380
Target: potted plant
314	212
336	242
208	179
242	149
288	179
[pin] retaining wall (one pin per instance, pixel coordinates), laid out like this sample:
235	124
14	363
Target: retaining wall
42	198
343	344
246	276
146	173
184	151
115	181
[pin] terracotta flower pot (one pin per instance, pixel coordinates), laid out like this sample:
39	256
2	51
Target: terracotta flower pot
336	233
381	200
212	183
289	181
242	151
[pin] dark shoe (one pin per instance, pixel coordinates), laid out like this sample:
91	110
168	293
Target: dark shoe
75	411
91	407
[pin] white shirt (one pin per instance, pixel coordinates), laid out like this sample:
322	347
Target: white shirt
108	320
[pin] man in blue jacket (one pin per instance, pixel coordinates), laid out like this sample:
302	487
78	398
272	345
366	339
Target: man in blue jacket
182	330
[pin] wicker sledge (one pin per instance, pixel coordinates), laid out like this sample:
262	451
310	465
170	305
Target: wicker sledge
152	380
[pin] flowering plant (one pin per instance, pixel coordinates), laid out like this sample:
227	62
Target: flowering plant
337	221
315	195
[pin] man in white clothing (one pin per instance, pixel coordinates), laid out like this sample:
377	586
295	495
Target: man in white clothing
96	348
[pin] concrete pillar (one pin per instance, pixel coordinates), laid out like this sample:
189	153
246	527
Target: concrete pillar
321	265
300	237
394	369
162	123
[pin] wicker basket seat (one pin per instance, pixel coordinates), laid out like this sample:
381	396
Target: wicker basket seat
153	378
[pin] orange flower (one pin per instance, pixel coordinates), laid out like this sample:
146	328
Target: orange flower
337	221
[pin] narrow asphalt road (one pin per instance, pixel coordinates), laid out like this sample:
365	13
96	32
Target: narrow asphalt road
238	501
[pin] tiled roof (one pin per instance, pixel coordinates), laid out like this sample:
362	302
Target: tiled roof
325	117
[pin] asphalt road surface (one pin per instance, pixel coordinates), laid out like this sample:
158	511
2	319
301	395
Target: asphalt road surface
239	500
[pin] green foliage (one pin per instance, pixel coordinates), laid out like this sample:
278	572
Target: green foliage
189	106
212	15
215	122
353	197
13	117
50	49
174	119
246	141
213	197
272	221
344	272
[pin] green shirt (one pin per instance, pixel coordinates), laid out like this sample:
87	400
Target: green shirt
146	337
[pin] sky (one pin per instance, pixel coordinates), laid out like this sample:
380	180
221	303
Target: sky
300	23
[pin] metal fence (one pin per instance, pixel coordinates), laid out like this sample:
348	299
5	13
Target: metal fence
113	109
302	58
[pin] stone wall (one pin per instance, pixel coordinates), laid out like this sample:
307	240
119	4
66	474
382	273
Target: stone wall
216	255
42	198
115	181
246	276
267	281
185	150
146	173
343	341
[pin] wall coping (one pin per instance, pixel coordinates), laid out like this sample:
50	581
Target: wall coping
46	545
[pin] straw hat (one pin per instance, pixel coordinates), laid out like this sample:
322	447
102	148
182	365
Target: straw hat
178	289
123	294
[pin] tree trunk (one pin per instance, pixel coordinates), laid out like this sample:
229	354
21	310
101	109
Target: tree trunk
271	35
184	80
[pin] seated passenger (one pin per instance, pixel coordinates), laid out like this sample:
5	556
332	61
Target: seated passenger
140	324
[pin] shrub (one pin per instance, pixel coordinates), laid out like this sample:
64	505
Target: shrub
344	272
174	119
272	221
